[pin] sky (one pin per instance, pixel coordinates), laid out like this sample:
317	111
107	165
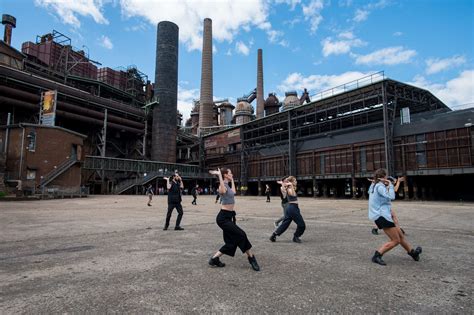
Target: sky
313	44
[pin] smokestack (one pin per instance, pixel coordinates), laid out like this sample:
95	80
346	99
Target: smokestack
260	100
10	23
166	90
206	111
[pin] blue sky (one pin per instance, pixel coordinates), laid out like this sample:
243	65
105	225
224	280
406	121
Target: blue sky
315	44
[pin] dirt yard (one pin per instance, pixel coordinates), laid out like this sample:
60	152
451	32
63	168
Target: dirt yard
110	254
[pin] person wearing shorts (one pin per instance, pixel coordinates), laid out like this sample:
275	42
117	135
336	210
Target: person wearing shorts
381	194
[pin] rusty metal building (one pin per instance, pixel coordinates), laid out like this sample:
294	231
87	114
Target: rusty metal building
336	142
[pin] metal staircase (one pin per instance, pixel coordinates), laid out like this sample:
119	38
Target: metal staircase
58	170
138	181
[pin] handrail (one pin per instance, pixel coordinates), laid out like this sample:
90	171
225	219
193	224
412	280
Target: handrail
55	172
351	85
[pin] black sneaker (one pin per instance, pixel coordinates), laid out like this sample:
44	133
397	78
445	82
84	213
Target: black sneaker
375	231
415	253
165	228
296	239
178	228
253	263
377	258
215	262
149	205
273	238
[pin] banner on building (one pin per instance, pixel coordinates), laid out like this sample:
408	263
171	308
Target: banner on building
48	108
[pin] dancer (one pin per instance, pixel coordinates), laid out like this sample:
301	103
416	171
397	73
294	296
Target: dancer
174	200
381	193
194	193
284	199
234	236
267	192
375	229
292	213
149	192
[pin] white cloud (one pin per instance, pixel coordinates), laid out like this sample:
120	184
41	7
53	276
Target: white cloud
312	13
291	3
186	99
457	93
317	83
361	15
397	34
106	42
241	48
68	11
228	17
386	56
339	47
435	65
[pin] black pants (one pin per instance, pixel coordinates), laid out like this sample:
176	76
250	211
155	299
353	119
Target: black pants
194	200
233	235
284	206
179	208
268	197
292	213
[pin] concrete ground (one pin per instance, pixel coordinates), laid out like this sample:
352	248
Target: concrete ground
109	254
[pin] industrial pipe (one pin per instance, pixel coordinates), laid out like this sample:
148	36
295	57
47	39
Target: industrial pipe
34	98
72	116
26	78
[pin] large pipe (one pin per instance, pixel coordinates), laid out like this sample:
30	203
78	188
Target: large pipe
67	115
260	100
206	110
34	98
11	74
166	90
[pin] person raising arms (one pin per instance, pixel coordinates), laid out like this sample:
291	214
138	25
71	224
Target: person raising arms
234	236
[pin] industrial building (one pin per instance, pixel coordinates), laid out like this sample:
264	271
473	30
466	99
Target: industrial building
66	123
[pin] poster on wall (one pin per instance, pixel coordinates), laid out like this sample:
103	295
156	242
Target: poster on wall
48	108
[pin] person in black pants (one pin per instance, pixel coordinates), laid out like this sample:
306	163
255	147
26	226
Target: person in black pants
194	193
174	200
234	236
292	213
284	199
267	192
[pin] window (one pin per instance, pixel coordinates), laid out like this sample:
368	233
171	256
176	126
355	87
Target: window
31	141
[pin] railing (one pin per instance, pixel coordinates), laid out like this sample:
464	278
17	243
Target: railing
352	85
58	170
140	166
139	181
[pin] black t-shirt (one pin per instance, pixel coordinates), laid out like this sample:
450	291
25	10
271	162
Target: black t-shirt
174	193
194	191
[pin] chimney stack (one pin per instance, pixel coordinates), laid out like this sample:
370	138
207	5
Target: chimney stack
260	100
206	110
10	23
166	90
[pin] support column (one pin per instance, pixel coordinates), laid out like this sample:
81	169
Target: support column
259	187
325	190
315	188
415	190
354	188
406	190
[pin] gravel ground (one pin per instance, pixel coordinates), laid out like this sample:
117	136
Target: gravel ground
109	254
